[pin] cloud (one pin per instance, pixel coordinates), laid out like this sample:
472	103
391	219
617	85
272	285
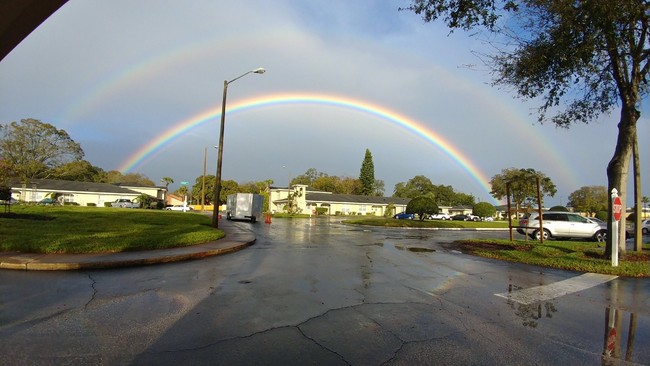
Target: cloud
116	74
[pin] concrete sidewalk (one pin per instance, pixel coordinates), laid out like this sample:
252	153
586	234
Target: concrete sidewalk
236	239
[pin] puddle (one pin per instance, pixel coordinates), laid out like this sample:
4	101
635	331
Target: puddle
420	250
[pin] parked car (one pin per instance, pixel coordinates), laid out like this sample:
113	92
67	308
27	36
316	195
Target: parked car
557	224
439	216
461	217
48	202
179	208
645	227
488	218
404	216
124	203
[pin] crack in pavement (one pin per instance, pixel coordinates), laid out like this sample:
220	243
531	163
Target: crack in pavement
92	285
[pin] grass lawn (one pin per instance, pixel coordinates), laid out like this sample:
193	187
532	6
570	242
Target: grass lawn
583	256
71	229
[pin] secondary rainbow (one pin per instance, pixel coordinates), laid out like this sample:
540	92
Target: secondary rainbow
178	129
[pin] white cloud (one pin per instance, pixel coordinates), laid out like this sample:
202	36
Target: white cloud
116	74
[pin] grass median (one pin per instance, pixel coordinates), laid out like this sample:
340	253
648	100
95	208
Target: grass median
582	256
74	230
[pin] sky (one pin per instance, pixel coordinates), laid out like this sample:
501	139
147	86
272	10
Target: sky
139	84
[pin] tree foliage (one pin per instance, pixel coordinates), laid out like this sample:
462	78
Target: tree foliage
367	175
32	149
441	194
523	186
78	171
416	186
589	199
167	181
422	206
484	209
580	59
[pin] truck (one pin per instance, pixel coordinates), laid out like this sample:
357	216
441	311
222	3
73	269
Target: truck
244	206
124	203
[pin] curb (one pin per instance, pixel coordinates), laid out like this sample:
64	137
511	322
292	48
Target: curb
66	262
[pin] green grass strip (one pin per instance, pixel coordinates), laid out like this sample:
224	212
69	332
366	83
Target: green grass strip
70	229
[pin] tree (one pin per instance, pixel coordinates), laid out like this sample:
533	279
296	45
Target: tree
308	177
484	209
367	175
348	185
136	179
589	199
422	206
416	186
79	171
5	170
587	56
32	148
325	184
379	188
228	187
167	181
181	191
523	186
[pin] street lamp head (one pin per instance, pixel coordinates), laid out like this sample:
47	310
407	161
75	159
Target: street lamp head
259	70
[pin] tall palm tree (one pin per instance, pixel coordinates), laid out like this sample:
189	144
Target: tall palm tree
167	181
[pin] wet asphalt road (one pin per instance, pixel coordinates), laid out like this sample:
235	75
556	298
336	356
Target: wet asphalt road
318	292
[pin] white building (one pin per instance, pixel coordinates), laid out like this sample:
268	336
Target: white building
83	193
342	204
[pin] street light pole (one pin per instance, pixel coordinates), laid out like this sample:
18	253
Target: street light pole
217	186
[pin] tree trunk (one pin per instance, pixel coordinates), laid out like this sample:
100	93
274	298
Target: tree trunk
638	240
618	169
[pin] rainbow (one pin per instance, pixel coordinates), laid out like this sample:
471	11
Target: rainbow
178	129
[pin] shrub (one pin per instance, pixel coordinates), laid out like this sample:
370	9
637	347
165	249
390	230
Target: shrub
107	204
70	204
91	204
422	206
321	210
484	209
5	193
602	215
390	210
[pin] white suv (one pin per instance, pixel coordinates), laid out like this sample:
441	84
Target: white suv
562	225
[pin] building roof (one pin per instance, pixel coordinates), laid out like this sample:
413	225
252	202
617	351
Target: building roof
66	185
353	198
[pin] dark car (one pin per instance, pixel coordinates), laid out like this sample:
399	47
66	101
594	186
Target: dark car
460	217
404	216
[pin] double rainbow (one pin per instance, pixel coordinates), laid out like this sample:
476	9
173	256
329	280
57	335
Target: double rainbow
412	126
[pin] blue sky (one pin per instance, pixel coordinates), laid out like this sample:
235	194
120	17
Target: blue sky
116	74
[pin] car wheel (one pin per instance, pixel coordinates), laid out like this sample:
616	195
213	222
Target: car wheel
600	236
477	219
537	235
645	231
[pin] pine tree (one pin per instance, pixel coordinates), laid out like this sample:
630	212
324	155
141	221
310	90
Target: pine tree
367	175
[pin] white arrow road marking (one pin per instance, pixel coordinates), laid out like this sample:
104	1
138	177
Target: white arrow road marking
551	291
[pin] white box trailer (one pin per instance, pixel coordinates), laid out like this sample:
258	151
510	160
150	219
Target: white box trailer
244	206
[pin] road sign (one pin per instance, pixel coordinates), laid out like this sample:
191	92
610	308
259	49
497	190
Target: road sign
617	207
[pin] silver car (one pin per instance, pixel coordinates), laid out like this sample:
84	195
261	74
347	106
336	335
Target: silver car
562	225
